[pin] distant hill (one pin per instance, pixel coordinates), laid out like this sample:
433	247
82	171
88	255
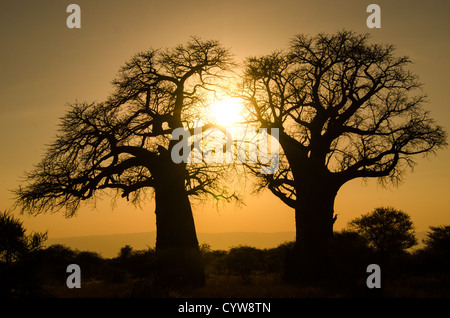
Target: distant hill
109	245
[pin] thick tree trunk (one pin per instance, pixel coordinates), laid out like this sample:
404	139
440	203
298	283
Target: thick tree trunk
174	220
314	211
178	254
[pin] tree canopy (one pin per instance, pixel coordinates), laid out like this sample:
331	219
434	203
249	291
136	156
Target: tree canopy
122	142
345	108
14	242
386	229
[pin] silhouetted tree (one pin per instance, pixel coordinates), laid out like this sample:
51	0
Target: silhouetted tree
275	258
435	256
215	260
125	144
243	261
14	243
343	110
18	276
53	262
91	263
438	239
125	252
386	230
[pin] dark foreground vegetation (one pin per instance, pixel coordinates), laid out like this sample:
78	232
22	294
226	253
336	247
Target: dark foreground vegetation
242	271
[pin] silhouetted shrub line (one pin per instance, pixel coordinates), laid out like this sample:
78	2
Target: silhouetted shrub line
421	273
241	271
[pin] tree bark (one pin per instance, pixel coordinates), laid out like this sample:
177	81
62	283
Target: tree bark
314	220
179	260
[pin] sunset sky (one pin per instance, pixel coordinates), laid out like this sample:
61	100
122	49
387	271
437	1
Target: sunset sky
44	65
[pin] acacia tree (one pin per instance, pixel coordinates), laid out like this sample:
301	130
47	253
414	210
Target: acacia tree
125	144
386	230
343	110
438	239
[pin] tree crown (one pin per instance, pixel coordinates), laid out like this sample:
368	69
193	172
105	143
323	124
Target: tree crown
386	229
344	108
124	143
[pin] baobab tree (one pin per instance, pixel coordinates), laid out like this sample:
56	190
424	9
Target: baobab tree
344	109
124	144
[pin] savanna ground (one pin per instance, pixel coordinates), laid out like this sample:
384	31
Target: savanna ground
262	286
241	272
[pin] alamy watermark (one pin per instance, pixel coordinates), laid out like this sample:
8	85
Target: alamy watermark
74	19
74	279
237	145
374	19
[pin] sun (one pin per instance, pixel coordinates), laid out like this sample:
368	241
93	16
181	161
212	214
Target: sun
227	111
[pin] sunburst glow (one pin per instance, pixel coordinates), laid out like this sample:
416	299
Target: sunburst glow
227	111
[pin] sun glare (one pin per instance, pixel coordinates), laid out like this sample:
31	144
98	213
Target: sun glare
227	111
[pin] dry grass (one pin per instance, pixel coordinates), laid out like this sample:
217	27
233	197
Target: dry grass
257	286
217	286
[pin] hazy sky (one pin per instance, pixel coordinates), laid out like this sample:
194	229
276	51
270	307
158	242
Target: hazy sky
44	65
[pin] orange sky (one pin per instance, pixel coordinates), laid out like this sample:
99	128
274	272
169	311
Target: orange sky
44	65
